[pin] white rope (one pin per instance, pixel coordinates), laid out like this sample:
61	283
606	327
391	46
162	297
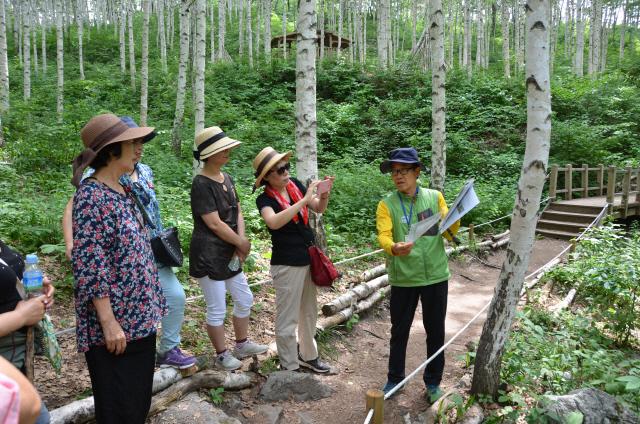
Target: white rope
375	252
369	416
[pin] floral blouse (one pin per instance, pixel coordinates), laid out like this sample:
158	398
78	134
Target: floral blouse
112	258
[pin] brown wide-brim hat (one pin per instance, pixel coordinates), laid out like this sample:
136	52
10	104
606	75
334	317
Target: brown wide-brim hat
212	140
100	131
265	160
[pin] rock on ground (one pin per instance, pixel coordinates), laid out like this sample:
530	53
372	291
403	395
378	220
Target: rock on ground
192	409
595	405
284	385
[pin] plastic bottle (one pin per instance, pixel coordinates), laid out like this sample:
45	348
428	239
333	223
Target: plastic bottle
234	264
32	277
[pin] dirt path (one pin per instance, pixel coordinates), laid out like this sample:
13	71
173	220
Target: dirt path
360	358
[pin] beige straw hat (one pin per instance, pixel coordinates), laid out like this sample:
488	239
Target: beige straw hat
212	140
265	160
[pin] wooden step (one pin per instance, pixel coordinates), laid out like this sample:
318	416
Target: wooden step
556	234
569	207
575	227
552	215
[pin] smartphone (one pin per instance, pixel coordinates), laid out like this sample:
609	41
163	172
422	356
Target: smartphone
324	186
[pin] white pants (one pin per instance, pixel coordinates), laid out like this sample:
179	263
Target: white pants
215	292
296	306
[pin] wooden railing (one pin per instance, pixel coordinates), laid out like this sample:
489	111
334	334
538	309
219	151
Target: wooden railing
577	182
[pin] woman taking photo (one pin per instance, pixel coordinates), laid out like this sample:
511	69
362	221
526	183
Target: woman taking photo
284	208
118	297
219	246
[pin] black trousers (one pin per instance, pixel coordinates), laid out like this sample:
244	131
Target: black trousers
122	383
403	303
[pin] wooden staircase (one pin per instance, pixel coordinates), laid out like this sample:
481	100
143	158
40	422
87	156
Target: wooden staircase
566	221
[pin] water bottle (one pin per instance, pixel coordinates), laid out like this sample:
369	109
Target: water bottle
234	264
32	277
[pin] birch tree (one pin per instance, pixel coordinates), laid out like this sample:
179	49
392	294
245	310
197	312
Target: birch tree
121	41
486	376
4	63
480	38
200	51
384	35
80	18
132	54
185	27
438	109
144	67
596	33
26	50
249	34
45	26
504	19
579	57
466	54
623	28
267	30
222	27
212	36
60	59
163	36
285	3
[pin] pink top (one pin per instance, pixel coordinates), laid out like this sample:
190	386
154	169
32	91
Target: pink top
9	400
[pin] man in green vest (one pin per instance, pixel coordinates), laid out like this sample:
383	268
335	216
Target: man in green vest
418	270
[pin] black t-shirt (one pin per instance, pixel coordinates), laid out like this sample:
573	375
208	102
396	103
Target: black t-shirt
290	244
11	269
209	255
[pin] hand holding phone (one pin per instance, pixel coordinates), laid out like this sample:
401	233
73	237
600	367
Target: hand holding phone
324	186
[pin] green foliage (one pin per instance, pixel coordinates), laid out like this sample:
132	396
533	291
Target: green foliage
606	268
216	395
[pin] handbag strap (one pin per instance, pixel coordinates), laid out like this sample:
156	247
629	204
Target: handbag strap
143	210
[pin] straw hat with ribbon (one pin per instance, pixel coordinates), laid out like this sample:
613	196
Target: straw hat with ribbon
100	131
212	140
264	161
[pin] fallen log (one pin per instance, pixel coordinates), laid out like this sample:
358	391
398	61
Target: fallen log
372	273
354	294
208	379
564	303
500	243
499	236
345	314
459	249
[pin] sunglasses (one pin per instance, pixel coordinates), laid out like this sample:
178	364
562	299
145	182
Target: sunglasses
281	170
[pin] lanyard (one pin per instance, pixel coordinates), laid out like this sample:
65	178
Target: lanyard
404	210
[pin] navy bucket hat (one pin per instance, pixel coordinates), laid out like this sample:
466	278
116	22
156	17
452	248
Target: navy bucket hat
407	155
132	124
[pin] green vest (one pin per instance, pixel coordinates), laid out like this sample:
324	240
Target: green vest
428	262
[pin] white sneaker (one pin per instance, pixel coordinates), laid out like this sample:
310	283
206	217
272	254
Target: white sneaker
248	349
228	362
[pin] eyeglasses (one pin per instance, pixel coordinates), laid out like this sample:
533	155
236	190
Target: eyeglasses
281	170
401	171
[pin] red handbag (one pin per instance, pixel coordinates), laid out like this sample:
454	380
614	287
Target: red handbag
323	272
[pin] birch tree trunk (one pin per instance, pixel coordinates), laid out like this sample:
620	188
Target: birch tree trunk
212	36
466	54
383	33
267	31
414	23
17	28
438	109
144	68
259	7
34	37
306	124
185	27
241	29
80	18
249	34
163	36
200	51
132	54
26	50
579	57
320	24
486	376
506	65
60	60
340	8
594	45
4	64
121	39
480	38
45	27
623	29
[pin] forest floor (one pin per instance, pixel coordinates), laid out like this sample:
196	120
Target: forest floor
359	357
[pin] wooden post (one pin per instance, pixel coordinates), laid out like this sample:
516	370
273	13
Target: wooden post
472	238
626	184
375	401
553	182
600	179
611	187
568	182
585	180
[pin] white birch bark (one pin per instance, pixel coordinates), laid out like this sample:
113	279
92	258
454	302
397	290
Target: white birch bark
596	34
340	9
132	54
466	54
579	57
249	34
200	51
623	29
486	377
163	36
17	28
222	26
383	33
4	62
80	18
144	67
506	65
285	4
259	7
568	27
121	40
60	60
178	118
26	50
480	38
212	36
34	44
438	101
414	23
241	29
45	27
267	31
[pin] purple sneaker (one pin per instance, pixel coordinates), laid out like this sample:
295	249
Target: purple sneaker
176	358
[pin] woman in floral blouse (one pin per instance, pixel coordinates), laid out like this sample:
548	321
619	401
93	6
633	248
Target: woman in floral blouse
118	296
